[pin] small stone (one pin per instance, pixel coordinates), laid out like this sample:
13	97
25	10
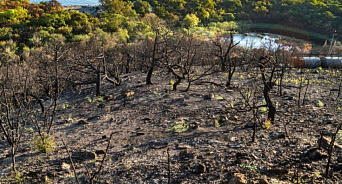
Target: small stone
209	96
65	167
200	168
328	121
317	154
128	94
328	114
238	178
194	125
222	120
147	120
183	146
186	155
249	125
99	152
82	122
290	98
233	139
93	118
242	158
64	122
105	137
233	118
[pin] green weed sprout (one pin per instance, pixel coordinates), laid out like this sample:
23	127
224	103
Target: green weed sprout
44	143
178	127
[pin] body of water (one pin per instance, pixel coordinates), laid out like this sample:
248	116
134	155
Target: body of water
73	2
253	41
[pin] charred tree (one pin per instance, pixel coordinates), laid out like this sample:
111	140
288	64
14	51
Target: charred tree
224	52
267	67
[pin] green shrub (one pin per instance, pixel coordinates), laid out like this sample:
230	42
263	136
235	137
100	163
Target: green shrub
44	143
16	176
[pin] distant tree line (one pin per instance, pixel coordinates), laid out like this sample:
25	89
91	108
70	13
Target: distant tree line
23	21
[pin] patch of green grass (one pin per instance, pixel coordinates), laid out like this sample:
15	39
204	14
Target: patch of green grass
171	82
44	143
30	129
217	123
98	99
219	97
65	105
267	124
16	175
178	127
95	99
263	109
232	103
320	103
317	173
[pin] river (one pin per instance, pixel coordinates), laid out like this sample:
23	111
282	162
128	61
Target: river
74	2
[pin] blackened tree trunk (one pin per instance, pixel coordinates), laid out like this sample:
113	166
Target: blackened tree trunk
271	108
231	70
178	81
98	82
153	59
149	76
281	80
57	90
268	85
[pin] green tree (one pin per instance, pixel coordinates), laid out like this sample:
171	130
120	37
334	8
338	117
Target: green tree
5	33
50	6
230	6
118	7
142	7
191	20
13	16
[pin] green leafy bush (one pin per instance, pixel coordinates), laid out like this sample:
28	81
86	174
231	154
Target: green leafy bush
44	143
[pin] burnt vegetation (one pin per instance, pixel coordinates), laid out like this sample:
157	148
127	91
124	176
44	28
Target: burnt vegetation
232	90
170	106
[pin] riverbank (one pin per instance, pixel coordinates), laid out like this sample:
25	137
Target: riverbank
287	31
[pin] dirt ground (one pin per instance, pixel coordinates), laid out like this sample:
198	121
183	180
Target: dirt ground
207	139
